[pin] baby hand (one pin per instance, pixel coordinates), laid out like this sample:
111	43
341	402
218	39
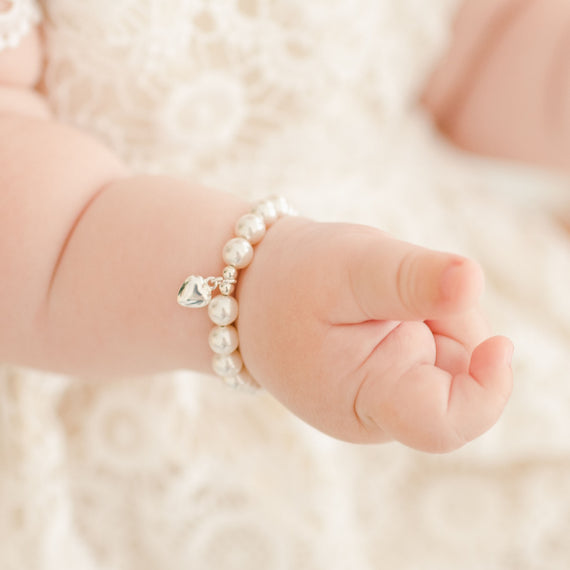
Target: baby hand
371	339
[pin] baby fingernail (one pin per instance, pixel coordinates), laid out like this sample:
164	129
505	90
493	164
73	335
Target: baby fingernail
448	282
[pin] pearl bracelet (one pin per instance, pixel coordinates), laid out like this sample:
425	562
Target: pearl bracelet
196	291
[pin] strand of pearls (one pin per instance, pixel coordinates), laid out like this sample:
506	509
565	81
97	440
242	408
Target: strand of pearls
196	291
17	18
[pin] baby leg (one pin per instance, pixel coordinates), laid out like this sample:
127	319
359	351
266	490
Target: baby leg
503	88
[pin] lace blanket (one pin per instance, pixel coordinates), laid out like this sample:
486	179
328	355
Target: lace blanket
314	100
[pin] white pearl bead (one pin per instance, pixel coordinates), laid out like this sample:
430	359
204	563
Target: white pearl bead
223	340
227	365
250	227
241	381
267	211
238	252
223	310
281	205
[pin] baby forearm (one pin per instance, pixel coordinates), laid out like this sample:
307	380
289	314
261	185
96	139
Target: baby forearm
504	87
112	303
92	258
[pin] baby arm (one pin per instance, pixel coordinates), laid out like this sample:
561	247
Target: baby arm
92	257
503	88
363	336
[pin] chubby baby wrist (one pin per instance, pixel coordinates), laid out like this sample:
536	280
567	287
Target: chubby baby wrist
200	292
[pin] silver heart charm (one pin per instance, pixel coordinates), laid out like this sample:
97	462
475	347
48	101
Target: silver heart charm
195	292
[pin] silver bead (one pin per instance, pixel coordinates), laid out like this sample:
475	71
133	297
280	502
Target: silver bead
267	211
223	340
242	381
230	273
226	288
250	227
223	310
238	252
227	365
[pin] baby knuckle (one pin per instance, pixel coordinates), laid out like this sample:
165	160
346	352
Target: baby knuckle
408	284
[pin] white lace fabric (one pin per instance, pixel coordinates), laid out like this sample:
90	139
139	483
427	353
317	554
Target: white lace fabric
200	82
314	100
17	17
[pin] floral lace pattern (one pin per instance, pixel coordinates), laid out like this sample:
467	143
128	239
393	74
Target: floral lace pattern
201	82
17	17
313	100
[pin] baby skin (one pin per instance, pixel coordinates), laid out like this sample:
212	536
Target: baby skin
365	337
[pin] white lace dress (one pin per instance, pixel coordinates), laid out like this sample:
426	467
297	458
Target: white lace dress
314	100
